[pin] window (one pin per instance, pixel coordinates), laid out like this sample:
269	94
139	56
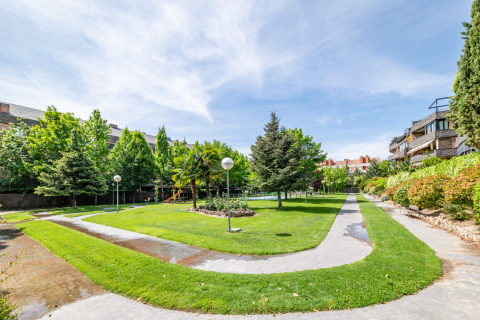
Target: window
403	146
442	125
430	127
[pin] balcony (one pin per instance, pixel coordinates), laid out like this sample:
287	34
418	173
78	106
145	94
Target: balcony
398	155
432	136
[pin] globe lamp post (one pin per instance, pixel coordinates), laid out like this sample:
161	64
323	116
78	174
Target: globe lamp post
332	187
117	179
323	182
227	164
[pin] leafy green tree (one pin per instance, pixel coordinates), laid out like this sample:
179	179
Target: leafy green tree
163	156
96	133
188	169
210	163
357	172
49	139
15	162
465	112
133	160
276	159
373	170
73	174
339	177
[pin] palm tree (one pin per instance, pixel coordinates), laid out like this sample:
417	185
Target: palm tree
210	164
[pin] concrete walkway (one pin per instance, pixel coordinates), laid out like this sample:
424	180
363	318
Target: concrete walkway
456	296
346	242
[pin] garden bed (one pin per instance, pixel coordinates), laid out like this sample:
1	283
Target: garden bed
234	213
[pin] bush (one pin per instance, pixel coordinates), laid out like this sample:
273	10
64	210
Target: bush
455	212
384	197
221	203
459	190
401	195
372	190
432	161
476	202
427	193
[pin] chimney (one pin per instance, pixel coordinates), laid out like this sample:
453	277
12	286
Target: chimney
5	108
113	126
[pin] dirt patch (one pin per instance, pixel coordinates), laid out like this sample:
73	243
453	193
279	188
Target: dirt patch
42	281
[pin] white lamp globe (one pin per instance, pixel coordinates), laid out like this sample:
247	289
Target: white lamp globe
117	178
227	163
323	181
331	182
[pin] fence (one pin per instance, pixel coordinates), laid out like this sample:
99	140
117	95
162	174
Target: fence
18	201
351	190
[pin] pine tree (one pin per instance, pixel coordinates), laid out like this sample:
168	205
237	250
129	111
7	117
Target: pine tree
73	174
465	105
276	159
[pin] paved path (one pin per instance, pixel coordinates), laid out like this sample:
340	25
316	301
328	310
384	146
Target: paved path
346	242
456	296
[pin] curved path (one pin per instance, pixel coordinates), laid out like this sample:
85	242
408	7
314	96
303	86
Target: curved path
345	243
456	296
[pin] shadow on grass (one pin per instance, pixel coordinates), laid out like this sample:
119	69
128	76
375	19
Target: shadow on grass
283	234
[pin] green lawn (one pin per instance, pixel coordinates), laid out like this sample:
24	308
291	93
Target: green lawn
299	226
86	213
18	216
399	265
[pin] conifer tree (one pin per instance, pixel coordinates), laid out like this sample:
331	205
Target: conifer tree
465	105
276	159
72	175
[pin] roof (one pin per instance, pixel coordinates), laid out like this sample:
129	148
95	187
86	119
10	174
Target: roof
25	112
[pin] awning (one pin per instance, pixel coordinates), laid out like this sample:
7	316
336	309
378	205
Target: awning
423	145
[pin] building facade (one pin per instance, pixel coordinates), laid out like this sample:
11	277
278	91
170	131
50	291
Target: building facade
431	135
12	113
362	163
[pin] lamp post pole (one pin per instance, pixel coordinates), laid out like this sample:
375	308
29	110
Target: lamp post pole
117	179
323	182
227	164
332	187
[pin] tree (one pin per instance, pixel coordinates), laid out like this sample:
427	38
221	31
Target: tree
209	162
73	174
133	160
49	139
96	133
373	170
188	169
15	162
163	156
276	158
312	155
357	173
339	177
464	105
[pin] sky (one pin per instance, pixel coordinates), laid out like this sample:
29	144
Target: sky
352	74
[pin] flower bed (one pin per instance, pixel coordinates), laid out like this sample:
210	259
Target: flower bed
234	213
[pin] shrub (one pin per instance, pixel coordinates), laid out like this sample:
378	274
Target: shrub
372	190
476	202
384	197
401	195
427	193
459	190
432	161
455	212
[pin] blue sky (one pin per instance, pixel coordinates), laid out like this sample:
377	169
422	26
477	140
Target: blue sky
352	74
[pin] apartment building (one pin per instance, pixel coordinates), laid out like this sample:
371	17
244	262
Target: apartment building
11	113
431	135
361	163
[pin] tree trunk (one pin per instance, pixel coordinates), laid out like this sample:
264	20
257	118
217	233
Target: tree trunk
279	193
286	195
74	201
207	186
95	199
194	193
123	197
163	198
218	187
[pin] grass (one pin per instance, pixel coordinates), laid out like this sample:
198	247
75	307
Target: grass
94	212
299	226
399	265
17	216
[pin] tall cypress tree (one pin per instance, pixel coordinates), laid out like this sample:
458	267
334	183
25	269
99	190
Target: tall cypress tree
73	174
465	105
276	159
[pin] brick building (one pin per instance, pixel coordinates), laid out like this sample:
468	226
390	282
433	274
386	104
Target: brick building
362	163
431	135
10	113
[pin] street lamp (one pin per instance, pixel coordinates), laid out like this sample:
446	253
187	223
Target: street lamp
323	182
117	179
332	186
227	164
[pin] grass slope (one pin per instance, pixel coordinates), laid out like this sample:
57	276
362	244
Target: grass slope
409	263
299	226
17	216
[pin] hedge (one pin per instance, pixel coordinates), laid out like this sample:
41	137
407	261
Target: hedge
428	192
476	202
460	189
